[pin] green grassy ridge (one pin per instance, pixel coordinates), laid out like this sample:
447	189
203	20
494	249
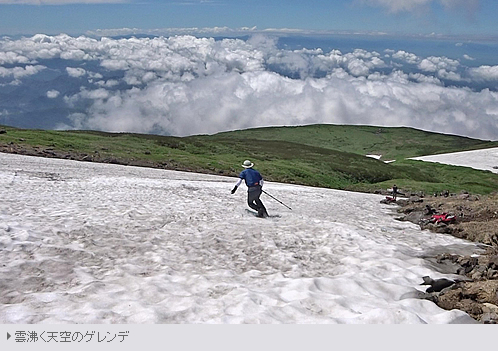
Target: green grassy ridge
390	142
281	154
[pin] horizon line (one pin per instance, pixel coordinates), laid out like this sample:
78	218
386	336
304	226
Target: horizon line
241	31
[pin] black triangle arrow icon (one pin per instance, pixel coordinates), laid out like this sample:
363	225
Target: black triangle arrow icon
8	336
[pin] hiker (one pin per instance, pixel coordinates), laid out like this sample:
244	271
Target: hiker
395	191
254	182
429	210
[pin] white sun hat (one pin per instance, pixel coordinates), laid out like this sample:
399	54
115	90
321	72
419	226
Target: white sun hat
247	164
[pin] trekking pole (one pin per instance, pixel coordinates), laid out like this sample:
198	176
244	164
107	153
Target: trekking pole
276	199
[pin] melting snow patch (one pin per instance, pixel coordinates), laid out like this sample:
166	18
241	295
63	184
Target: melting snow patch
377	157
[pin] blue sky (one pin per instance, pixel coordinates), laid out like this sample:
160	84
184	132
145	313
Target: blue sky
450	17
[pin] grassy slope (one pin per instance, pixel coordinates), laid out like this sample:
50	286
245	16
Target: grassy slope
391	143
319	155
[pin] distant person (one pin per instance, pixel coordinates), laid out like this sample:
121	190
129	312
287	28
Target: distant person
395	191
429	210
254	182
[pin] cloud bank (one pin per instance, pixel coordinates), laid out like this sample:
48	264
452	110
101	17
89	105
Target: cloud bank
186	85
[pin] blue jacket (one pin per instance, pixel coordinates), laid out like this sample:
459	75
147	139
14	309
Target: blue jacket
252	177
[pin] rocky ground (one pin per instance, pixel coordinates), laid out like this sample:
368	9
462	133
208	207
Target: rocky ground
470	217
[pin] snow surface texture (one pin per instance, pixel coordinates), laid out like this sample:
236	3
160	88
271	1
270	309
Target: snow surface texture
486	159
98	243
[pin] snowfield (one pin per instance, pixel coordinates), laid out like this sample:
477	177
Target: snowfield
98	243
486	159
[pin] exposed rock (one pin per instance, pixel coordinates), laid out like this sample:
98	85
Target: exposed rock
414	217
478	299
476	219
493	262
489	308
436	285
482	292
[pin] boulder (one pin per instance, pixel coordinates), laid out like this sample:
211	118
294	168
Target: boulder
414	217
415	199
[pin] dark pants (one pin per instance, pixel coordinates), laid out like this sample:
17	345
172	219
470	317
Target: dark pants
253	194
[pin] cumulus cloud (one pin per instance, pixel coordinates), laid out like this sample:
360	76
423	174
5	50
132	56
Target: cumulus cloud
10	57
21	72
52	94
444	67
433	63
185	85
108	83
406	56
485	73
75	72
